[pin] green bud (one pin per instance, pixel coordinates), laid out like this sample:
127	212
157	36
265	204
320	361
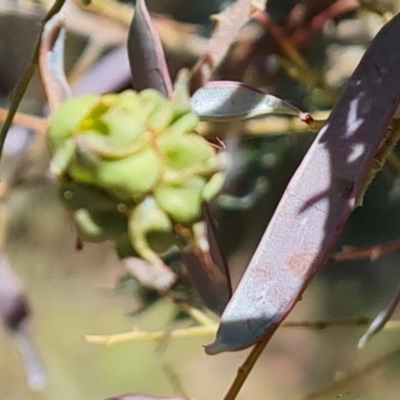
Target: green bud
131	176
130	167
213	186
126	177
62	158
125	125
185	123
67	118
183	151
150	229
161	113
88	229
182	201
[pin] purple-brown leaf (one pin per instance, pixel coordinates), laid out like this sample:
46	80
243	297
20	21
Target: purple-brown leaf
145	53
15	313
318	200
208	268
51	62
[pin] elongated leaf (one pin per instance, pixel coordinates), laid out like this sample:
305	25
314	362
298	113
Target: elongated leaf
318	200
227	100
208	268
16	315
156	276
381	319
51	62
146	56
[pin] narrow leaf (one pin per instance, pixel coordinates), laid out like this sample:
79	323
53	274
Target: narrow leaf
208	268
157	276
16	315
227	100
51	62
381	319
145	53
318	200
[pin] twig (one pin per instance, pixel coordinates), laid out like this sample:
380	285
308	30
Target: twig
245	369
22	86
137	335
34	122
371	252
295	64
211	328
305	33
197	315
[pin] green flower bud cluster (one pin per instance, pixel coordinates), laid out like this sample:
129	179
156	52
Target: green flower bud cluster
131	169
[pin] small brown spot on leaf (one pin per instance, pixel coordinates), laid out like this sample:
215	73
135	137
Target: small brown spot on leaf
300	264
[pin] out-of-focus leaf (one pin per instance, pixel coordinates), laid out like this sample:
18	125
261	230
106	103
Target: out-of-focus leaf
136	396
226	101
228	23
145	53
208	268
153	275
110	74
51	62
379	322
15	313
318	200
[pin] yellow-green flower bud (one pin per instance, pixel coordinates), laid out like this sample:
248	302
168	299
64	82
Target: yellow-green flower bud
150	229
181	201
131	169
185	151
65	121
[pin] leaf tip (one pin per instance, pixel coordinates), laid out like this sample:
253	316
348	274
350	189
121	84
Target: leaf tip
232	336
307	118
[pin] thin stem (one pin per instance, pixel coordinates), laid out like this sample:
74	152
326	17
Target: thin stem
245	369
34	122
247	366
371	252
208	327
22	86
197	315
295	64
137	335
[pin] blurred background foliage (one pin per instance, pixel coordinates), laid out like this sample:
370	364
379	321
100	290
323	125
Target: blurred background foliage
72	292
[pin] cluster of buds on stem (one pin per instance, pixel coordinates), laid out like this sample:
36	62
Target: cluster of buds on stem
132	170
